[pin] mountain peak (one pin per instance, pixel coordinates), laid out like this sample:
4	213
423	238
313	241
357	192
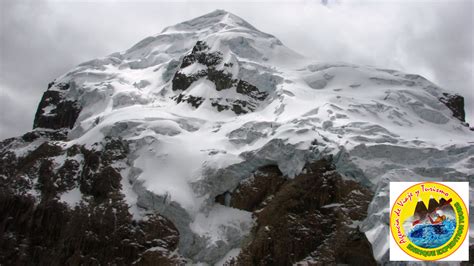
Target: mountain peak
227	101
216	19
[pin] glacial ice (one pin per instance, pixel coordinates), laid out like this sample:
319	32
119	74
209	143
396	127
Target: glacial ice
378	125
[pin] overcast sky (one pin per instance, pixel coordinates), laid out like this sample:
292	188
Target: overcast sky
41	40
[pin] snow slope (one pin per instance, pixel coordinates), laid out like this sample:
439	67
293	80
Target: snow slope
379	125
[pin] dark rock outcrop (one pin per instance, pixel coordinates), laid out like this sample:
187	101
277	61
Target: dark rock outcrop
38	228
254	193
310	219
55	110
58	134
51	233
194	101
455	103
222	79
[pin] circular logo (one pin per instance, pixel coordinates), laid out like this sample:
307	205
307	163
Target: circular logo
429	221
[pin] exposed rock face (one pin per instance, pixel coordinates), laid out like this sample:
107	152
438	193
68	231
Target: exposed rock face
456	104
50	233
55	110
312	218
42	223
220	74
255	192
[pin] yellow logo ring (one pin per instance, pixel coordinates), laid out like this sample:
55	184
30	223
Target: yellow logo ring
411	213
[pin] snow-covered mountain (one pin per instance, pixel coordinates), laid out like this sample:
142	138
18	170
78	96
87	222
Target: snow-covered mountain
181	123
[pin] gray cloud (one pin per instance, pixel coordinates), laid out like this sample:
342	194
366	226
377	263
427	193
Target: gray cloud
41	40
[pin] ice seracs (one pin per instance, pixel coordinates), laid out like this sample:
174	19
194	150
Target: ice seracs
208	101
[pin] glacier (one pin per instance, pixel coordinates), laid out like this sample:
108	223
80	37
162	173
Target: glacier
193	142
